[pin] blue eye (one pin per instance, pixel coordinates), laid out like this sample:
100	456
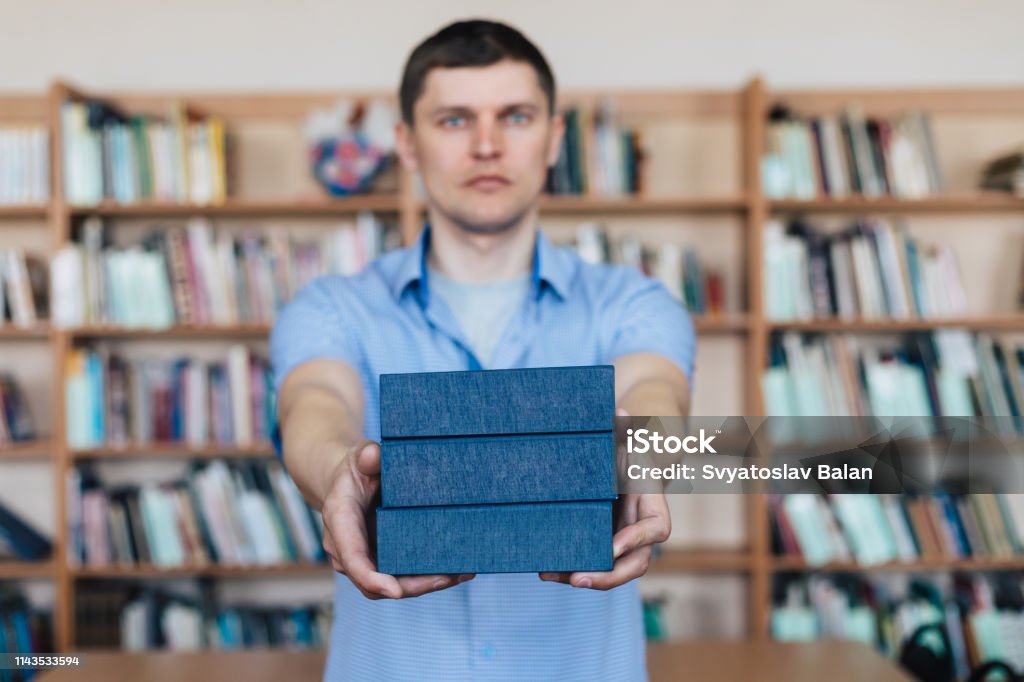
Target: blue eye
518	118
453	121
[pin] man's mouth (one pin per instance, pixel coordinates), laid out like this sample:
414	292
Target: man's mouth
488	183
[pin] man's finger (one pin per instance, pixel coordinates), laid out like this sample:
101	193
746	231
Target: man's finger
363	573
349	535
556	577
332	552
647	531
368	459
339	567
632	565
416	585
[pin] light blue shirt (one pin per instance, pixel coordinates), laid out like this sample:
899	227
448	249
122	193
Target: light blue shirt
495	627
482	309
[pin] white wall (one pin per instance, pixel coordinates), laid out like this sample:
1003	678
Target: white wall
255	44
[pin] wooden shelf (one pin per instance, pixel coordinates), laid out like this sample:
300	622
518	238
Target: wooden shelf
27	569
23	211
12	333
175	332
703	324
568	203
674	560
965	203
209	570
27	450
165	450
981	564
1009	322
246	207
721	324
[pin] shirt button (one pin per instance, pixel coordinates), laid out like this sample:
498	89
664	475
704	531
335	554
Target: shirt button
488	651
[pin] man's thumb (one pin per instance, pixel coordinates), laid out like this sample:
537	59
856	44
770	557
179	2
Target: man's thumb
368	459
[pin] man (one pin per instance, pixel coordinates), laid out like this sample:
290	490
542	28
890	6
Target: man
481	288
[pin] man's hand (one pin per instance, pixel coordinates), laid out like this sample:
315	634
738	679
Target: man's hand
349	512
643	522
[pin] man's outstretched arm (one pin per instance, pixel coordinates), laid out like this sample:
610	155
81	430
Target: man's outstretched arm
320	409
646	384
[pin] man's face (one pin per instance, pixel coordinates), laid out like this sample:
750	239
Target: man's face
482	141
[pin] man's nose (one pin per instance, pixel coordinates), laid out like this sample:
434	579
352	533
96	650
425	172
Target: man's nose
487	143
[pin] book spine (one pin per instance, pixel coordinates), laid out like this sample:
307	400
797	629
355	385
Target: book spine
451	471
507	538
547	400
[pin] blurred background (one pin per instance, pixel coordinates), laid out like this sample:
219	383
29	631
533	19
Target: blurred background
832	189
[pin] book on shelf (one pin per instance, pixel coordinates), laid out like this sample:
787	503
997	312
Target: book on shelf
197	275
982	614
599	156
24	288
849	153
699	288
134	618
19	540
873	269
943	373
24	165
16	422
241	514
24	629
1005	174
114	400
876	529
109	155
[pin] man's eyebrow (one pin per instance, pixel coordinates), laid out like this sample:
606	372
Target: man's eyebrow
469	111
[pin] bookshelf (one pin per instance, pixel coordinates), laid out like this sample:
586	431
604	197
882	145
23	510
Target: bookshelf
267	187
35	570
982	202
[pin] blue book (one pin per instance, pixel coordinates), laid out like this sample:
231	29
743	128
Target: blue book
501	538
497	402
497	469
26	542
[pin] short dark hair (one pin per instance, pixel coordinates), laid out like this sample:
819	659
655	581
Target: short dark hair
475	42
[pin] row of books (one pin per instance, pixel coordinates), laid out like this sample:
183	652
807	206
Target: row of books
115	400
138	619
242	513
941	373
24	629
24	165
699	288
16	422
24	291
872	270
876	529
849	153
1005	174
110	155
598	156
195	275
983	615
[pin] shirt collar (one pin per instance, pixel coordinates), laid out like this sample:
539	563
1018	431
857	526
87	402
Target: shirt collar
550	268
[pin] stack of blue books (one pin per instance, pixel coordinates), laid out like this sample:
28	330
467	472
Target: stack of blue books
497	471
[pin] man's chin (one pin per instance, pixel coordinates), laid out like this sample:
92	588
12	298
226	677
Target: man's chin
488	222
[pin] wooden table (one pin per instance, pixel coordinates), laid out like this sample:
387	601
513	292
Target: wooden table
694	661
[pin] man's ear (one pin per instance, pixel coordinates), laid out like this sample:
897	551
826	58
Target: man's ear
405	146
557	132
